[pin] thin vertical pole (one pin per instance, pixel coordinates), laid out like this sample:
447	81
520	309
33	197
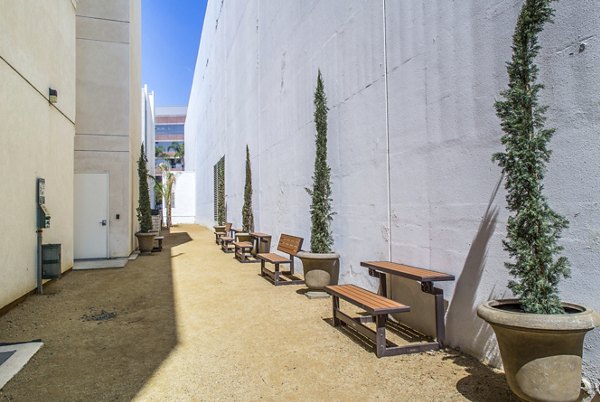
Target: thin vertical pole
387	134
40	289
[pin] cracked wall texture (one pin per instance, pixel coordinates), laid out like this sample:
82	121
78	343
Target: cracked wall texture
410	86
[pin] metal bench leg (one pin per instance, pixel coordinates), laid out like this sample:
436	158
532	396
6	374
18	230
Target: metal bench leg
262	267
440	327
277	274
336	308
380	343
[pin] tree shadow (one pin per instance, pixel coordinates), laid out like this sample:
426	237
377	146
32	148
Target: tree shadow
462	317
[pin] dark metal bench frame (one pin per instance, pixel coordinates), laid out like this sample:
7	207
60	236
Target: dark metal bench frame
287	244
379	269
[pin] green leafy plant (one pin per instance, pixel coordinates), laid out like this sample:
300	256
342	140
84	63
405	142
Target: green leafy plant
165	189
143	209
247	215
321	239
533	229
159	152
221	208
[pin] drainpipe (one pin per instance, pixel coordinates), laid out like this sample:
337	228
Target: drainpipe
39	261
387	132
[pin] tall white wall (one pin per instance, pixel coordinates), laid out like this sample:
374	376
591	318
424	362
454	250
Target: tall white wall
108	107
184	190
410	87
37	51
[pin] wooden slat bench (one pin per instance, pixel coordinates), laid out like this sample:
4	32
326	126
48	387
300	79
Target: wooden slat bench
378	306
221	231
287	244
156	227
159	241
382	269
227	244
243	248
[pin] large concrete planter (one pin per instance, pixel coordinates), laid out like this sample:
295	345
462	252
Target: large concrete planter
320	270
145	242
541	353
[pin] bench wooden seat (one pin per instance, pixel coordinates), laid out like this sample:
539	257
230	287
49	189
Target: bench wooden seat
372	303
156	227
377	307
274	258
221	231
287	244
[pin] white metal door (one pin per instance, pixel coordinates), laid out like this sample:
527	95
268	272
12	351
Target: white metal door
91	215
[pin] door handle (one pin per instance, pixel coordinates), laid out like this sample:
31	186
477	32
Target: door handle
103	222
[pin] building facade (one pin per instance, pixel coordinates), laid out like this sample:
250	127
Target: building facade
69	71
107	141
169	140
411	87
38	133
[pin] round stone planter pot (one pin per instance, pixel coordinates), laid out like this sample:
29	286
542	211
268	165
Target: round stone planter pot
320	269
145	242
541	353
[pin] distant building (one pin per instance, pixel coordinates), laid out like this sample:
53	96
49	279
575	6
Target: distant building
169	136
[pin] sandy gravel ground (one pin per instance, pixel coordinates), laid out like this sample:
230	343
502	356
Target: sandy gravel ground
191	323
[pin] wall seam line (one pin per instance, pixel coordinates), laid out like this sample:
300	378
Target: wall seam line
387	133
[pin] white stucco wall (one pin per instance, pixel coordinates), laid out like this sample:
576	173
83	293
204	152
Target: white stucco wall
37	51
108	107
410	87
184	190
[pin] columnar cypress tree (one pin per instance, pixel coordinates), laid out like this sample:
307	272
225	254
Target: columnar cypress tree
321	238
533	228
247	215
221	211
143	209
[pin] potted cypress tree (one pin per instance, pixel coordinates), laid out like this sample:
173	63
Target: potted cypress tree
247	215
145	238
540	338
321	264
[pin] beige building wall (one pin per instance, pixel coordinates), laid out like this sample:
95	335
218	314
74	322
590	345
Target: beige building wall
37	51
108	112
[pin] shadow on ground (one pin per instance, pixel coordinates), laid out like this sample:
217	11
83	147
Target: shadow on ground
481	379
105	332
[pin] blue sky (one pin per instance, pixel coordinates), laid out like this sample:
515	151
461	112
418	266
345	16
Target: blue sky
170	37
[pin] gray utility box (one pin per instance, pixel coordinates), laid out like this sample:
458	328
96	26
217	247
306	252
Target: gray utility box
50	261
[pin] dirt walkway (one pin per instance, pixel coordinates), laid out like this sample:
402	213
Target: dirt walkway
190	323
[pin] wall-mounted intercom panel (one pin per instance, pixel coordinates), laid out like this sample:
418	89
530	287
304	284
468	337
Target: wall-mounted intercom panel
43	216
